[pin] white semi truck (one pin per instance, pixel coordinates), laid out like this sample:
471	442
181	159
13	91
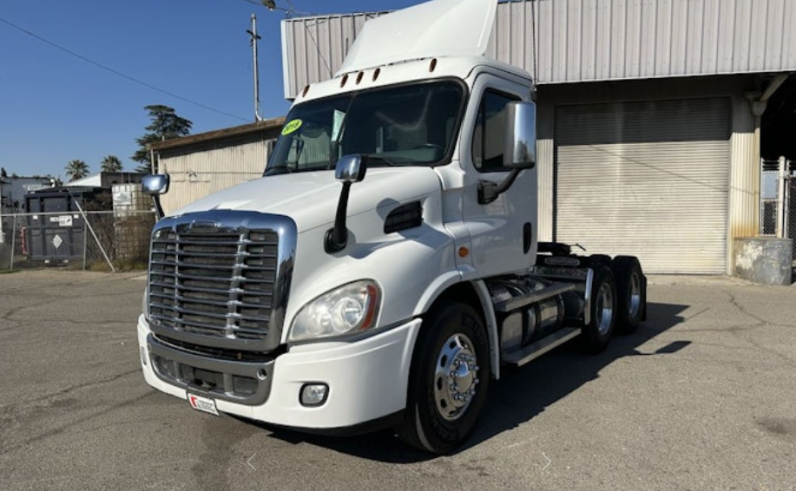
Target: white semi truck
385	270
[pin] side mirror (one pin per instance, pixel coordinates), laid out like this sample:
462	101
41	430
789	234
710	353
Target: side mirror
350	168
519	150
155	184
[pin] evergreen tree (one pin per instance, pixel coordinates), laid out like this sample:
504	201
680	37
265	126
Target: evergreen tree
165	125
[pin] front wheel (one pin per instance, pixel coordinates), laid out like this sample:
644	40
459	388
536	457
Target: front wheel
448	380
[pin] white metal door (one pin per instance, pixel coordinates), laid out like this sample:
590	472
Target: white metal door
648	179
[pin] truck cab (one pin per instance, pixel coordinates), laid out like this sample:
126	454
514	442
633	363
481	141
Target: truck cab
386	266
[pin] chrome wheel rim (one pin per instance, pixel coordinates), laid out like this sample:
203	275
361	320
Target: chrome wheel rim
634	306
605	308
455	377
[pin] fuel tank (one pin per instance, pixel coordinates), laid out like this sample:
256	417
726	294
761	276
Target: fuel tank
530	323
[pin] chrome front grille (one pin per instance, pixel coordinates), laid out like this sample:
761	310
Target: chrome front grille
215	279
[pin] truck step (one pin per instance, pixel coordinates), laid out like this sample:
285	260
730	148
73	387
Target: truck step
532	351
533	297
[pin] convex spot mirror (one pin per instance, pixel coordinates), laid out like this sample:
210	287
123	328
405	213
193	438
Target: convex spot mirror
519	150
155	184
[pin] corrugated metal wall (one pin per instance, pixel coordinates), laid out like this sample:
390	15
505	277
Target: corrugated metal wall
629	39
313	48
590	40
745	182
197	174
743	162
648	179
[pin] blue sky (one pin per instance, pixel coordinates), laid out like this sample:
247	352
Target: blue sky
55	107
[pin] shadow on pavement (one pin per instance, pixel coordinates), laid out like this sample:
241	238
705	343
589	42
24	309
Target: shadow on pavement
518	396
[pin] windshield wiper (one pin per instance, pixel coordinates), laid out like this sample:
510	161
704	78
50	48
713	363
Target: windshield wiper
275	171
378	158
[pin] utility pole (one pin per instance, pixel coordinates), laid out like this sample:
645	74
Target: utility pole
254	38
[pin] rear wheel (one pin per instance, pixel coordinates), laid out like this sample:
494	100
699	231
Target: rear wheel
631	294
448	381
597	332
597	260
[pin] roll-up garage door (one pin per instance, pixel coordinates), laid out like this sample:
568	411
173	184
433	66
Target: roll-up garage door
648	179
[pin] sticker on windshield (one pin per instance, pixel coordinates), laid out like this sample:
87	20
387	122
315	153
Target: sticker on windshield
291	127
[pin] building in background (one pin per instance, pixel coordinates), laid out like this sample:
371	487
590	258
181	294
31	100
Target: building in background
101	218
653	116
13	190
204	163
12	199
106	180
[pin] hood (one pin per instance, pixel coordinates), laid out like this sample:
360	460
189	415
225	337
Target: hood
310	198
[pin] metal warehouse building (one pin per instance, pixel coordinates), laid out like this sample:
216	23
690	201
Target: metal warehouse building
651	115
204	163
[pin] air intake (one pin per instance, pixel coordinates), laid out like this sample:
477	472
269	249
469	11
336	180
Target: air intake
404	217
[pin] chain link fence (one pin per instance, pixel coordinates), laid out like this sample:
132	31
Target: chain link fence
90	240
768	222
769	197
778	200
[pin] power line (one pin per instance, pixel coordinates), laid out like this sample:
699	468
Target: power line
293	10
118	73
289	12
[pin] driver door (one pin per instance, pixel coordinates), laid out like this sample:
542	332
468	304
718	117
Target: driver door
502	232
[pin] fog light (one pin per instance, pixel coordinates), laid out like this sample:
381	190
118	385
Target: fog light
314	394
143	356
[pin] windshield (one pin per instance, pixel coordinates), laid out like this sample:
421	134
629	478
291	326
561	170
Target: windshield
404	125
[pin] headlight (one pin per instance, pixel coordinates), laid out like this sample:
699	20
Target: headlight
349	309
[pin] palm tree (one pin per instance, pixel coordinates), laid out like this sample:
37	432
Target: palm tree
111	163
76	169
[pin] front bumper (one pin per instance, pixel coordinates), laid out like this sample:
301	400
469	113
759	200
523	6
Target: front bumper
367	379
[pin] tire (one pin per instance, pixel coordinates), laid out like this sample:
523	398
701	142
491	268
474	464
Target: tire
631	293
438	418
597	333
597	260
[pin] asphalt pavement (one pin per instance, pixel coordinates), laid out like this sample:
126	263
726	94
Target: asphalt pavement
703	397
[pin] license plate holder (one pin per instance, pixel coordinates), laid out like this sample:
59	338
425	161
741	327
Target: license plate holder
204	404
